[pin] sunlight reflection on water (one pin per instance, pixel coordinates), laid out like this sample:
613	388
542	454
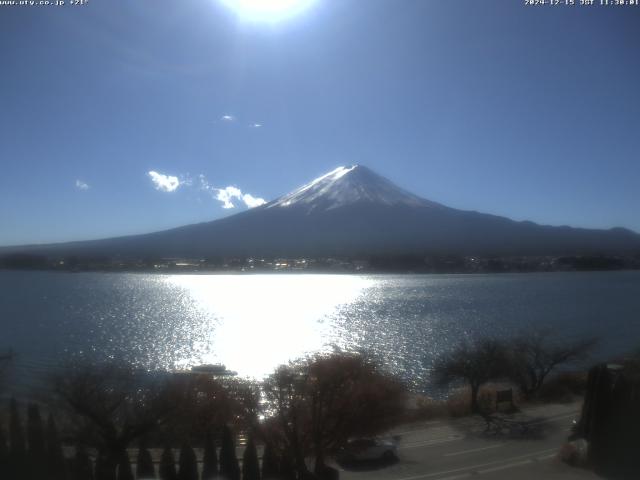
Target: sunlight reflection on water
253	323
258	325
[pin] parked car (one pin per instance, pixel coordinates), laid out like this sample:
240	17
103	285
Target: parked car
370	449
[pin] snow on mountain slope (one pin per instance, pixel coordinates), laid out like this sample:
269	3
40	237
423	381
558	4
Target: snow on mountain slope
346	186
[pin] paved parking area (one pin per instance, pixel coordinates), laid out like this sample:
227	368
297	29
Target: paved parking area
459	449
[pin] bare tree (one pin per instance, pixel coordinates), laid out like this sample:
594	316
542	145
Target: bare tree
285	393
350	396
208	403
475	364
321	402
534	355
112	406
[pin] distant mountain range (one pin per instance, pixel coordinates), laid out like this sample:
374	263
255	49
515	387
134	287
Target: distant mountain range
353	211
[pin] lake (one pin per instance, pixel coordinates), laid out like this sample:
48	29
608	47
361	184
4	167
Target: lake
252	323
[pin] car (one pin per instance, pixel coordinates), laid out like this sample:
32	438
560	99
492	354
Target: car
370	449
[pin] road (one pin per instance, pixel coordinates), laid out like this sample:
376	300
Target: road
459	449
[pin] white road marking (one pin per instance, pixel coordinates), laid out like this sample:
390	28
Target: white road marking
471	468
552	419
425	424
462	452
505	466
435	441
457	477
517	464
496	469
449	427
548	457
431	430
457	437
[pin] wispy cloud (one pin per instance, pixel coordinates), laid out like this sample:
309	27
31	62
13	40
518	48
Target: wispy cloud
80	185
228	118
164	183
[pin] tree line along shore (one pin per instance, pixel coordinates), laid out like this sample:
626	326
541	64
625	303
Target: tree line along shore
104	421
390	263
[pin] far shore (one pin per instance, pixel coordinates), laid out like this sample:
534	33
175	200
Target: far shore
371	264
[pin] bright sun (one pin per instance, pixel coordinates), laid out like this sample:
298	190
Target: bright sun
267	10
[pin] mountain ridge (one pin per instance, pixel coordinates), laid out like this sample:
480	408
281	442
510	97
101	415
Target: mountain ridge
354	211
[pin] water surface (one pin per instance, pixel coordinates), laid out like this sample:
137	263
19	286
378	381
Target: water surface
252	323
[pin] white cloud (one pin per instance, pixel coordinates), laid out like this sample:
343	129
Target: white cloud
228	118
229	196
80	185
256	125
164	183
250	201
226	195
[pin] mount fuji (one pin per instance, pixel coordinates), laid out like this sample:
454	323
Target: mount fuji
354	211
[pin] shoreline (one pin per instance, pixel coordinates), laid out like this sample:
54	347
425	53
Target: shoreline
179	271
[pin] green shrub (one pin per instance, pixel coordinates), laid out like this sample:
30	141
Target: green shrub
124	467
144	467
168	465
250	465
188	464
229	467
210	459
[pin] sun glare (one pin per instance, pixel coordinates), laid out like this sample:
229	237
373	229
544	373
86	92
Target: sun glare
286	317
267	10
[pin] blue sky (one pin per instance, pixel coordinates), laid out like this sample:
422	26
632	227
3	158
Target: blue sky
528	112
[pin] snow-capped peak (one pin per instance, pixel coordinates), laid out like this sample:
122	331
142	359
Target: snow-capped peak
348	185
